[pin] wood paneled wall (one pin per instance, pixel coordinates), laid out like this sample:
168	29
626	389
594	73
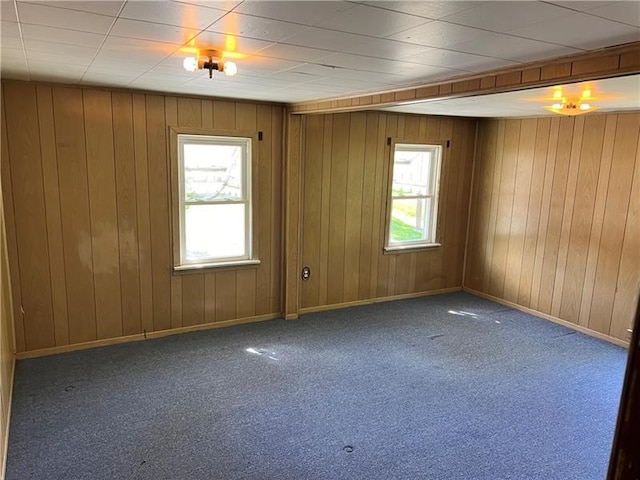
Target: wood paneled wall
7	343
555	219
345	167
87	194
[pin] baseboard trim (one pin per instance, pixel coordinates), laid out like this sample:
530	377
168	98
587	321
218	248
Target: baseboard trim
369	301
551	318
5	434
141	336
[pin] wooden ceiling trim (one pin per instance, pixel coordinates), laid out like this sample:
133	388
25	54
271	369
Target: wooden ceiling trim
603	63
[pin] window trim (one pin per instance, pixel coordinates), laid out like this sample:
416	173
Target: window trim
177	204
412	246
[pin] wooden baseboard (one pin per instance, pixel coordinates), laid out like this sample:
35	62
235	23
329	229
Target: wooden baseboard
573	326
5	434
369	301
141	336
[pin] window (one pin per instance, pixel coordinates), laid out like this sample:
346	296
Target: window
214	201
413	204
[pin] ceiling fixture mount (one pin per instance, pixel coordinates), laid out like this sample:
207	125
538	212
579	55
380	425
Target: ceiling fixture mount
567	106
210	60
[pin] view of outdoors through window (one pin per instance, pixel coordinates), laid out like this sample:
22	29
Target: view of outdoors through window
214	207
413	196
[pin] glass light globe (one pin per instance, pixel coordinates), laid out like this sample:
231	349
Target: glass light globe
230	68
190	64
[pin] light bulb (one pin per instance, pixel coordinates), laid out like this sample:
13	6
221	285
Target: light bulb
230	68
190	64
556	106
585	106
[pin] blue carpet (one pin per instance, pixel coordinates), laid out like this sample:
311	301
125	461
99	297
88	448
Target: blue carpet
444	387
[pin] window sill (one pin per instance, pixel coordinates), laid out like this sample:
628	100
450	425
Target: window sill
202	267
410	248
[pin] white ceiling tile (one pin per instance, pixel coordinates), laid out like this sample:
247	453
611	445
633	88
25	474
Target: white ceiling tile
10	35
49	16
103	7
375	22
220	5
10	55
7	11
255	27
227	43
377	65
293	52
305	13
61	35
504	16
578	31
172	13
75	51
625	12
579	6
124	68
432	10
459	60
512	48
152	31
136	50
38	59
314	37
439	34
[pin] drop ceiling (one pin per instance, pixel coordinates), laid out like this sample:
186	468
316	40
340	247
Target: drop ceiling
293	51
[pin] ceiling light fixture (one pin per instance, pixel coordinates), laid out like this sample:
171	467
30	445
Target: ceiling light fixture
210	60
564	106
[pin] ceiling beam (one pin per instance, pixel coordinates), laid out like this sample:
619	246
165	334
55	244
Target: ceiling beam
593	65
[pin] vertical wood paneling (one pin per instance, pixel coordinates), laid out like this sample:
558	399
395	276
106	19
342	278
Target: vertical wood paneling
505	207
143	211
347	164
125	173
277	201
263	205
517	229
337	206
11	240
534	210
353	218
580	258
52	208
628	283
159	212
90	246
103	212
547	189
312	198
570	194
74	210
30	216
580	225
556	209
368	204
614	222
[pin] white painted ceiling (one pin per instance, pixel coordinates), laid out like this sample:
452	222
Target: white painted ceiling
293	51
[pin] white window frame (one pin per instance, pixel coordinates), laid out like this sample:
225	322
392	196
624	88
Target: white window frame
433	192
246	144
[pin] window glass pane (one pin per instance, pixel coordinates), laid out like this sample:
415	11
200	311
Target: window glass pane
410	220
212	172
412	173
214	231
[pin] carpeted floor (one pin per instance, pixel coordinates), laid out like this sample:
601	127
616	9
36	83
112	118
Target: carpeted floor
444	387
